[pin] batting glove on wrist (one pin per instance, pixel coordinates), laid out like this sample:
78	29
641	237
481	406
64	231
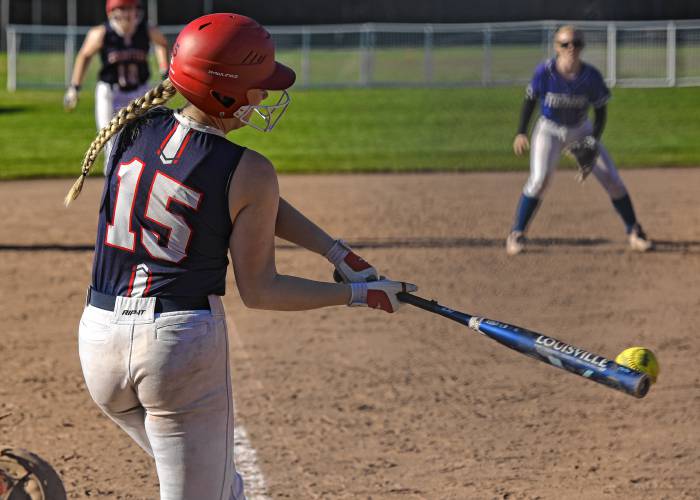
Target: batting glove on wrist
380	294
70	99
351	267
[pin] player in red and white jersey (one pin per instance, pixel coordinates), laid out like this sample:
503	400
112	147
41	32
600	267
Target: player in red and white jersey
123	42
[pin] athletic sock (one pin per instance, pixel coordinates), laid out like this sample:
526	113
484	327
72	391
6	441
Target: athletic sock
624	208
525	211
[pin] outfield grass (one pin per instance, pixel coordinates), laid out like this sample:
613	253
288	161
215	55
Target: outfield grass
371	130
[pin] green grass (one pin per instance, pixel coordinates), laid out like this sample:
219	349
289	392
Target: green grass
355	130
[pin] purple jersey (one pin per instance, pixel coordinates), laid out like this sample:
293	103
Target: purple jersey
164	223
566	101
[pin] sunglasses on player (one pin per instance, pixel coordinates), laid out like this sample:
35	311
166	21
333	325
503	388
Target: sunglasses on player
577	44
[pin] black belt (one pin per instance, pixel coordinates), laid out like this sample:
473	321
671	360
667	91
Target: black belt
163	304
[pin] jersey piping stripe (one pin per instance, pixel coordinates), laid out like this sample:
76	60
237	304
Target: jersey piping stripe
182	148
131	281
142	290
167	138
172	148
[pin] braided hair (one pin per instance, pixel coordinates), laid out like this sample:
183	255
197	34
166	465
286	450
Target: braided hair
134	110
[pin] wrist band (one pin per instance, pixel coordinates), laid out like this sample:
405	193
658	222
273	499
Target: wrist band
337	252
358	295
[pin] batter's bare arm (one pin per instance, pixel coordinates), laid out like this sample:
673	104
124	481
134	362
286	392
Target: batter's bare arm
160	48
254	200
253	205
91	45
294	227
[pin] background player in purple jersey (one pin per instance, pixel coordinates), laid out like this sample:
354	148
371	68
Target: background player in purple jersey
567	87
178	198
123	42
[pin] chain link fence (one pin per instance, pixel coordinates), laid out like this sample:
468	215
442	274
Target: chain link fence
643	54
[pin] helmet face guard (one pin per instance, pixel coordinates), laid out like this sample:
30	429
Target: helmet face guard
219	57
124	15
264	117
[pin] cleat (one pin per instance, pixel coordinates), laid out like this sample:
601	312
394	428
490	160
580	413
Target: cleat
515	243
638	240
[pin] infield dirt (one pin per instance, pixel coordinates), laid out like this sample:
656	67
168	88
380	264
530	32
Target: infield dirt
355	403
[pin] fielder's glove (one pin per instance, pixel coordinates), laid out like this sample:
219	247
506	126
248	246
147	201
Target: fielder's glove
70	99
585	152
380	294
349	266
24	475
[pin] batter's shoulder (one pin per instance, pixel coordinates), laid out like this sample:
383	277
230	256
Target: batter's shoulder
255	175
258	163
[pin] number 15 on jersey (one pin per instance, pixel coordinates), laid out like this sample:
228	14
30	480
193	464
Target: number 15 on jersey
164	191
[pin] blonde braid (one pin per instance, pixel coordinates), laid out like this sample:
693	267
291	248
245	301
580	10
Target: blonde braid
135	109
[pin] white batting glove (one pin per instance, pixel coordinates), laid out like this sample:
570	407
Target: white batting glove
351	267
380	294
70	99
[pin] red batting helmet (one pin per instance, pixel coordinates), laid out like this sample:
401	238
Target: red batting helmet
217	58
116	4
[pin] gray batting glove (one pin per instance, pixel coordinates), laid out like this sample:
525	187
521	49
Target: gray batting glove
351	267
70	99
380	294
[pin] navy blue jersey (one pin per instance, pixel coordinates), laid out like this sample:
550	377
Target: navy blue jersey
164	223
565	101
125	61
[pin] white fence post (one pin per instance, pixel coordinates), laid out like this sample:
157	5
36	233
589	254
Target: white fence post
671	54
68	58
548	42
486	70
11	59
305	56
428	56
366	63
69	46
612	54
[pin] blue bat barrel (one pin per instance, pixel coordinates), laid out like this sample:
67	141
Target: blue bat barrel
546	349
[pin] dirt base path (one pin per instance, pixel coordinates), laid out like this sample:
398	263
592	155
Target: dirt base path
353	403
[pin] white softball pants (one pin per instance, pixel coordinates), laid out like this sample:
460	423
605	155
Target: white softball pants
165	380
108	101
548	142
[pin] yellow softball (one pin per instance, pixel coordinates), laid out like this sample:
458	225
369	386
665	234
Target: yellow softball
639	359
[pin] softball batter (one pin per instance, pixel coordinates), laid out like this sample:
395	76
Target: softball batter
567	87
123	42
178	198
